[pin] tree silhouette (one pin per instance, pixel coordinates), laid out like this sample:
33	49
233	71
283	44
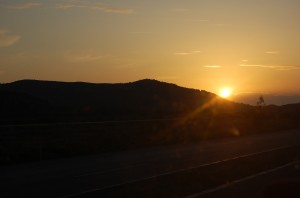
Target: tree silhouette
261	101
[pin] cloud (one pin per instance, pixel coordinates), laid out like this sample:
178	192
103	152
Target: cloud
65	6
276	67
212	66
94	6
83	57
22	6
187	53
117	10
74	4
196	52
7	39
273	52
182	53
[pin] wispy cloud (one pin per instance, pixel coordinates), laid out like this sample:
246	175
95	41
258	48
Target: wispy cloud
117	10
94	6
276	67
7	39
212	66
187	53
73	4
65	6
182	53
272	52
21	6
83	57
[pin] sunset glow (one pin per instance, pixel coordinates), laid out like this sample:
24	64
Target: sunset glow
196	44
225	92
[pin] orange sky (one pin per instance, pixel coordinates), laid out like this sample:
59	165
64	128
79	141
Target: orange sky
250	46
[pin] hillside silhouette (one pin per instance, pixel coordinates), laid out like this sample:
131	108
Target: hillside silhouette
46	119
36	101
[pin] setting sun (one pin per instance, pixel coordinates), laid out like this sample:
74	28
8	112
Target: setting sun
225	92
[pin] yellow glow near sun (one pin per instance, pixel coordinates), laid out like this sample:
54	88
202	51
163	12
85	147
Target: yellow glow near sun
225	92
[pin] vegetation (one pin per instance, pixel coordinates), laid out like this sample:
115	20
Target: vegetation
44	120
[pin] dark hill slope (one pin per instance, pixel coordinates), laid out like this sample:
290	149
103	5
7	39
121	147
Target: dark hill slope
88	101
200	115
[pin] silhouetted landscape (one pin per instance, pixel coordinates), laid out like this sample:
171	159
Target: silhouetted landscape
139	98
32	101
45	119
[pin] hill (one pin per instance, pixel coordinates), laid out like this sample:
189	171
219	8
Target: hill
140	114
35	101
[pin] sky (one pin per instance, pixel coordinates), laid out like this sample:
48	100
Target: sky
250	46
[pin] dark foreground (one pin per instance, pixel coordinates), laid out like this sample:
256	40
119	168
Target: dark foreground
233	167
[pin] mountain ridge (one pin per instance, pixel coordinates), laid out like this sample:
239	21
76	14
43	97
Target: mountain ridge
144	98
78	118
26	101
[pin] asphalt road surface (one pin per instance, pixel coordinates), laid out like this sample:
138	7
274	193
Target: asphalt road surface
110	174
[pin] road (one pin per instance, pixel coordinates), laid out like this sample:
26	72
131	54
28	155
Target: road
100	175
283	181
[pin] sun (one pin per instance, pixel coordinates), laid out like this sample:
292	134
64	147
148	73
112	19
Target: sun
225	92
